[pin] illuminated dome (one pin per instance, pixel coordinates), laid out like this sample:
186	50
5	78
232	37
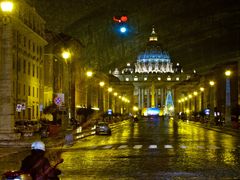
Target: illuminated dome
153	59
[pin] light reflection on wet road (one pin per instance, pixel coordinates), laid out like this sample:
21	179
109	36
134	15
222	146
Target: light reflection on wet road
153	149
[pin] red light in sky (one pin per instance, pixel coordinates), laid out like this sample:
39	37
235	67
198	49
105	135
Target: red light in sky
124	18
120	19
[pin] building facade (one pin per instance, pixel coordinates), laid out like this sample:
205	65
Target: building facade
152	76
22	50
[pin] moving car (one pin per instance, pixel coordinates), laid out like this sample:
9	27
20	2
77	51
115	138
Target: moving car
103	128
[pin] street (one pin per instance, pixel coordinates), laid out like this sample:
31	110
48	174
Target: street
153	148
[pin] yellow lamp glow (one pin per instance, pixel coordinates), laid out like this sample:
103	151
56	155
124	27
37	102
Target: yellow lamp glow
101	83
212	83
66	55
6	6
89	73
228	73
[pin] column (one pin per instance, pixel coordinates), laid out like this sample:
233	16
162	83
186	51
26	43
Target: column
139	98
148	97
142	92
153	95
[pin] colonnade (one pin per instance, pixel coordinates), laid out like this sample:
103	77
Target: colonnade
151	96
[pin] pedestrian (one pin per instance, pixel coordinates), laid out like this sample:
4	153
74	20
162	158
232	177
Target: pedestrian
38	165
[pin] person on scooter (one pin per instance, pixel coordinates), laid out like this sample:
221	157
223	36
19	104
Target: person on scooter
38	165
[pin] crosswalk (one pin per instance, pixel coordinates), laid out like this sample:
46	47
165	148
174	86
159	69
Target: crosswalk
156	147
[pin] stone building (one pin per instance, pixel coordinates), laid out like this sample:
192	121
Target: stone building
21	53
61	75
152	78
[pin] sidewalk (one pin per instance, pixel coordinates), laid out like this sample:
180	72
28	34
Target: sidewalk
226	129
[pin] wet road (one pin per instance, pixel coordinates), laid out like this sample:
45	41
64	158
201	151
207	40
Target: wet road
149	149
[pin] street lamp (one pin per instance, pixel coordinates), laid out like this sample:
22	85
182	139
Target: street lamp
101	96
228	98
115	101
190	102
211	99
7	6
89	95
202	97
67	57
195	93
109	98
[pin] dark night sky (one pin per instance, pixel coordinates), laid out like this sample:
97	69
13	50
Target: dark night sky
194	32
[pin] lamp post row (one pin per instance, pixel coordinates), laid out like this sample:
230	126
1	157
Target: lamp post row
183	101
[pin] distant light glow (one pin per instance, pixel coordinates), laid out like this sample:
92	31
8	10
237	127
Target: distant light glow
123	29
153	111
228	73
89	73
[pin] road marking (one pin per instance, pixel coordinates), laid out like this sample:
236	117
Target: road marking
107	147
168	146
122	146
214	147
183	146
137	146
152	147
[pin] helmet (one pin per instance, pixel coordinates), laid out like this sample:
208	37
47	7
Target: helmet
38	145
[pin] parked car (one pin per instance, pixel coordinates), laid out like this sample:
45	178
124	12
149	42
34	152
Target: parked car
103	128
29	126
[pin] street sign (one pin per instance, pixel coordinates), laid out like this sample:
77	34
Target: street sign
19	107
57	101
109	111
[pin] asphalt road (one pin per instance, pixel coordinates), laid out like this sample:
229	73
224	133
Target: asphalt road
150	149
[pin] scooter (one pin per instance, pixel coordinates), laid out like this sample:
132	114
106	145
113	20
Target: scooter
21	175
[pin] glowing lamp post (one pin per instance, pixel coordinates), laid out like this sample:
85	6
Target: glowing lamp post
228	98
212	97
89	95
67	57
195	93
7	6
202	97
115	101
101	96
109	98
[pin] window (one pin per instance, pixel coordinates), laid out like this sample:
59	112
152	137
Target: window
19	64
19	88
33	46
24	90
37	71
29	45
24	41
29	91
29	68
33	70
24	66
135	78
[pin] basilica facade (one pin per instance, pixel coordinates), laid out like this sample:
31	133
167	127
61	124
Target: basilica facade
152	78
